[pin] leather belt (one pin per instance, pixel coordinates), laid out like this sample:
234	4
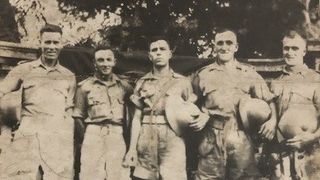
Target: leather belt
104	123
156	112
155	119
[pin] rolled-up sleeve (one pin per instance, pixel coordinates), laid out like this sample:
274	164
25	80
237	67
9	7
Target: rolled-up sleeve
195	84
71	92
316	100
135	97
128	90
187	92
13	80
80	105
275	88
260	89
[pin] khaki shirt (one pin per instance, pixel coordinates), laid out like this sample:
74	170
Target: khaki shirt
47	92
102	100
298	87
149	88
220	89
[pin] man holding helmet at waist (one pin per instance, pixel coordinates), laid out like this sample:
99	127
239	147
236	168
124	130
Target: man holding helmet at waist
225	150
297	93
157	147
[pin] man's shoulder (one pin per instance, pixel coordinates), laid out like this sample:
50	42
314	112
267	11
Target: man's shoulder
248	70
86	84
124	82
181	80
66	71
178	76
25	64
246	67
206	69
143	78
23	68
313	73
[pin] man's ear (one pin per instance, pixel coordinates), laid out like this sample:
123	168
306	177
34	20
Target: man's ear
63	44
94	63
149	56
171	53
305	49
236	47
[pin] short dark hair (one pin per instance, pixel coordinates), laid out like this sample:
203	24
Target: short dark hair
220	30
158	38
50	28
106	47
293	33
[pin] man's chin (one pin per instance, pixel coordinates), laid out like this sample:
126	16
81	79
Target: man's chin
291	63
160	64
51	57
225	58
106	73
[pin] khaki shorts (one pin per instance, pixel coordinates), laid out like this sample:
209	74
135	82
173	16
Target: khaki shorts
102	153
226	155
161	154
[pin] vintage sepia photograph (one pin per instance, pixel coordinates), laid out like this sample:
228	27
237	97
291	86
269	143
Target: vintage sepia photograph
159	89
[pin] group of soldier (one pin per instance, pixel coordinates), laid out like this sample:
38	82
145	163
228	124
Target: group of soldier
229	96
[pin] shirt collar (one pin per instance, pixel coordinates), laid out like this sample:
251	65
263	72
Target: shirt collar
217	66
300	69
150	75
113	80
38	63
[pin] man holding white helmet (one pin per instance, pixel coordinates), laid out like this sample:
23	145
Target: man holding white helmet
225	150
297	92
157	148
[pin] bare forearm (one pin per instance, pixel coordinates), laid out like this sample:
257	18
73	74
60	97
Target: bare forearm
273	111
135	130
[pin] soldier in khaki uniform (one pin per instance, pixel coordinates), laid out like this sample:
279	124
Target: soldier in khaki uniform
225	150
43	144
297	92
155	148
101	104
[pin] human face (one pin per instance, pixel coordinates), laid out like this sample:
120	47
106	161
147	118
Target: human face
160	53
51	45
104	61
225	46
293	50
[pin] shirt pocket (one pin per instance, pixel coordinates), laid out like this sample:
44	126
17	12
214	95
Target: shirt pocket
120	101
118	108
304	92
30	89
99	107
209	88
28	84
61	87
61	91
